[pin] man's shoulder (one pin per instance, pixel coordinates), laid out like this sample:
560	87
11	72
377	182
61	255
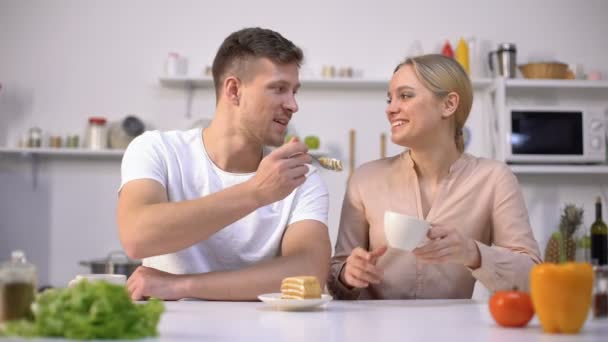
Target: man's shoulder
166	139
170	137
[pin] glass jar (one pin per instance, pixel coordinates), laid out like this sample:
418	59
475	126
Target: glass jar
97	134
17	287
600	291
34	137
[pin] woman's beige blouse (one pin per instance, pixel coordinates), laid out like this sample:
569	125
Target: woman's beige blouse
479	197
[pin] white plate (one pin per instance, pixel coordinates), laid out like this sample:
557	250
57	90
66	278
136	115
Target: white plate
274	300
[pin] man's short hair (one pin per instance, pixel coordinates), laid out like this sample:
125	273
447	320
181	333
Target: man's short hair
243	46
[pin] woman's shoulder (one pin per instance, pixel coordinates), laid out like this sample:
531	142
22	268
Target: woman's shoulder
375	168
488	165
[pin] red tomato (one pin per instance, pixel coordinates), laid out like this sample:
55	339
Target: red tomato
511	308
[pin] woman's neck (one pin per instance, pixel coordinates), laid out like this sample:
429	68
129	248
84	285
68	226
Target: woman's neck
433	163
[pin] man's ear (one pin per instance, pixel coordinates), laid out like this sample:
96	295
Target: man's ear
232	89
450	104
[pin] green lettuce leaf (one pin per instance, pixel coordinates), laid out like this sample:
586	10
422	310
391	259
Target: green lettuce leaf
96	310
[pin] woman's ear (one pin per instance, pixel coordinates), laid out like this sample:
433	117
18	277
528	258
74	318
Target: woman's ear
450	104
232	89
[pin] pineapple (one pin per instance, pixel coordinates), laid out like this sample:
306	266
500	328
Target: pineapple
562	246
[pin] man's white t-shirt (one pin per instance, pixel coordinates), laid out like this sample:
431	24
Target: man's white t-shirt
179	162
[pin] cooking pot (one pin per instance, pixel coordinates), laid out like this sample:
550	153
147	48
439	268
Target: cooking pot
115	263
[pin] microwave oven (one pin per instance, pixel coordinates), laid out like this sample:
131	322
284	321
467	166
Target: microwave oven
558	135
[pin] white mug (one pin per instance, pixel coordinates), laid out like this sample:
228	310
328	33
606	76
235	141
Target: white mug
403	231
117	279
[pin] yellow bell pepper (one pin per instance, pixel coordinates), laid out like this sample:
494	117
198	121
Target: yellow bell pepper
561	295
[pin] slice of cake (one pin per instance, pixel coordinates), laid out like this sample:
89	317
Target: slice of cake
302	287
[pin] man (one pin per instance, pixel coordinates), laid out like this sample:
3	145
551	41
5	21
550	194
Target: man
213	213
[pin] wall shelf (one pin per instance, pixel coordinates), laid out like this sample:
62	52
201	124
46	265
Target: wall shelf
83	152
187	82
33	155
74	152
190	83
559	169
322	83
555	84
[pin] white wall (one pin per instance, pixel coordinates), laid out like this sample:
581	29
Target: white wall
62	61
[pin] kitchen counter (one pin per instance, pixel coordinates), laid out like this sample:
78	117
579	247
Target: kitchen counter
370	321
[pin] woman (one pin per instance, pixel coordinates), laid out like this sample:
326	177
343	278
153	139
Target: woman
479	223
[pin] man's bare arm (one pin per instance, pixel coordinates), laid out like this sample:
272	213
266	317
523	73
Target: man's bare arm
149	225
306	250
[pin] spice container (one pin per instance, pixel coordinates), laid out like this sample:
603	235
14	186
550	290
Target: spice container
600	292
17	287
35	137
97	134
55	141
72	141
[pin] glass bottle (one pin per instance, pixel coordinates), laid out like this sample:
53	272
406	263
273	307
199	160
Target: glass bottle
97	134
600	292
462	55
447	49
17	287
599	237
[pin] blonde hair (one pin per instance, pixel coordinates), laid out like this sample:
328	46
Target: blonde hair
443	75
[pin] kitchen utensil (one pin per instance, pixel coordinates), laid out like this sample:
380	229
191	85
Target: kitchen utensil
552	70
123	132
503	60
116	262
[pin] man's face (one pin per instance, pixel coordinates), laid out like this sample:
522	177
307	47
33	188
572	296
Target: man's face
267	101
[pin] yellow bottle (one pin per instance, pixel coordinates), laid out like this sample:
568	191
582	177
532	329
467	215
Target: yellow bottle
462	55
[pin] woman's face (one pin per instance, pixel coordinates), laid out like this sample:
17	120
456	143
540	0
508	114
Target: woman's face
414	112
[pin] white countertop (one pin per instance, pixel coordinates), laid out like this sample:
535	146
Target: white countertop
369	321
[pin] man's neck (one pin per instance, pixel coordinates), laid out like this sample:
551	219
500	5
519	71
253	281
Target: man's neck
230	148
